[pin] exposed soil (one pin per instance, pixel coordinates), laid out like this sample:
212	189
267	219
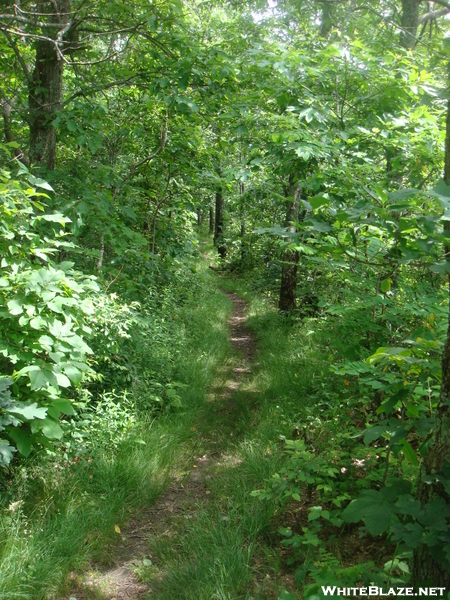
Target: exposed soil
119	580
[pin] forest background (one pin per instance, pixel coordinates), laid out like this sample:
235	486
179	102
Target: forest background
311	139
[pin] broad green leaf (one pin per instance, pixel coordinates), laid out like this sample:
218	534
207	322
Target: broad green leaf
386	285
6	453
60	406
314	513
52	430
373	433
72	373
39	379
22	439
62	380
30	412
371	509
15	307
409	453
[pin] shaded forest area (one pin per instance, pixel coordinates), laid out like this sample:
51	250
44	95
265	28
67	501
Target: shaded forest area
155	154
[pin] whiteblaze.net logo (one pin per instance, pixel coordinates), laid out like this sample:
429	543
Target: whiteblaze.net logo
373	590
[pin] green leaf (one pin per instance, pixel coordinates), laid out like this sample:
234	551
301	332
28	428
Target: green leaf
409	453
15	307
73	373
321	226
40	183
386	285
60	406
30	412
6	453
442	193
52	430
373	433
314	513
40	378
62	380
371	509
37	323
378	519
285	531
443	267
23	440
46	341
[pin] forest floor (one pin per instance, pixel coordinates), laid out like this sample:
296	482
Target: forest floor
140	563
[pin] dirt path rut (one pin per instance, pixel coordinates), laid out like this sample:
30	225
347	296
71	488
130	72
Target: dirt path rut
120	580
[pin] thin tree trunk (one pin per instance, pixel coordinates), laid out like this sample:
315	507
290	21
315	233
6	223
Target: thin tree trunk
45	89
428	568
409	23
199	217
102	252
158	205
392	175
219	228
211	219
242	215
325	20
7	121
290	258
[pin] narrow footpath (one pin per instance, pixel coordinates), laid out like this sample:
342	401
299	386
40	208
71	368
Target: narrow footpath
163	520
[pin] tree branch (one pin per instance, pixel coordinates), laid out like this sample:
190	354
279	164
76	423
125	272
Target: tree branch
30	21
158	151
158	206
431	16
98	88
442	3
19	56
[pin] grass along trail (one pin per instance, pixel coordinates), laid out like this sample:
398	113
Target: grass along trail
188	544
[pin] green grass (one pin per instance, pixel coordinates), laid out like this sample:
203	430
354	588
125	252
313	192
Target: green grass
228	548
222	552
65	515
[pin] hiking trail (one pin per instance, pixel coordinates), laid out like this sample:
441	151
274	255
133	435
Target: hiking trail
120	580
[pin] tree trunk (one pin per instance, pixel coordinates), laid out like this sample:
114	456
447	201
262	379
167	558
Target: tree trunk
409	22
7	121
218	231
199	217
428	568
242	217
211	219
290	258
46	87
393	177
325	20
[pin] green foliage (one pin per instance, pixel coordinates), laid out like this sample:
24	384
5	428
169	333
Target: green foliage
58	511
260	103
44	306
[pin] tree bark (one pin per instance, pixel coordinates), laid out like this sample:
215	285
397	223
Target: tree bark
427	567
46	87
7	121
392	173
325	20
199	217
290	258
211	219
409	22
219	228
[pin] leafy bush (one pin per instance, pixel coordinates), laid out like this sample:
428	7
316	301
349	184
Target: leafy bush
44	306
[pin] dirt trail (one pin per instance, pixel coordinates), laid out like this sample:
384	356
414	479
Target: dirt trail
119	581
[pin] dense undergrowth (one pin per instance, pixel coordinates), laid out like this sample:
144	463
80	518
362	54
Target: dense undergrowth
127	431
349	399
